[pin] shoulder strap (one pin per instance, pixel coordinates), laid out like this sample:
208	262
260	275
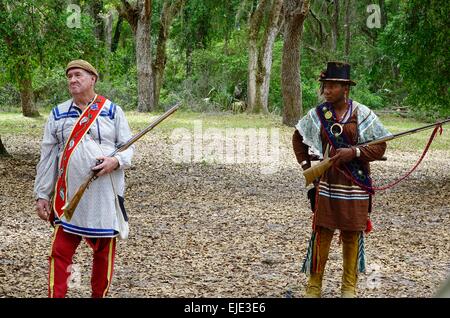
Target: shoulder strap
354	170
80	128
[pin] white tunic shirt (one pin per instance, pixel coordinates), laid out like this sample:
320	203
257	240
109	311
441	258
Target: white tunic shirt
98	212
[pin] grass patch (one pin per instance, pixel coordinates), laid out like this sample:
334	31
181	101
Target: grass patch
417	141
184	119
15	123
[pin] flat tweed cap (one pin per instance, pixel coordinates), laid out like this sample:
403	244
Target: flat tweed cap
83	65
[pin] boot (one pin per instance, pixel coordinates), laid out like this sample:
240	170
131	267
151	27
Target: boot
350	256
314	288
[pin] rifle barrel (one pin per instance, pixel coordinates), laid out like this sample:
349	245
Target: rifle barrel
408	132
136	137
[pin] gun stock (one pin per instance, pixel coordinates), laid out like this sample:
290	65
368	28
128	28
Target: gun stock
316	171
70	206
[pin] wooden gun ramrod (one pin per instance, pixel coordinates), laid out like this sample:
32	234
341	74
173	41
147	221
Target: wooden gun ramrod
70	206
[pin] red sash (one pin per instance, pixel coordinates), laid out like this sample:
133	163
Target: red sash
80	128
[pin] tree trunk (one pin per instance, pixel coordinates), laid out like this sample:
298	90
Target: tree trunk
26	92
167	13
260	58
295	14
108	25
252	66
108	28
383	13
265	58
228	26
138	16
115	40
188	64
321	33
144	64
95	9
347	30
254	27
242	8
335	26
3	151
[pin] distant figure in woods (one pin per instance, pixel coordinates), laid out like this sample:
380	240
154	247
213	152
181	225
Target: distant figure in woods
78	136
342	198
237	104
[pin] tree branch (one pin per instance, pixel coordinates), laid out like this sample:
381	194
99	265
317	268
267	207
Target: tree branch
322	31
147	9
129	13
256	18
302	10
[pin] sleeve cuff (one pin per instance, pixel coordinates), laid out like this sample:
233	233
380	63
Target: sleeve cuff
42	196
119	159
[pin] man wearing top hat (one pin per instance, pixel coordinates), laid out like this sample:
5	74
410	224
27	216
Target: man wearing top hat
342	197
79	135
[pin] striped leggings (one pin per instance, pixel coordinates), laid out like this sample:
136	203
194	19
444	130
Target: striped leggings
63	249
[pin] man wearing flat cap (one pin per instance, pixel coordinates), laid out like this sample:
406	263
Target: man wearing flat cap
79	135
342	197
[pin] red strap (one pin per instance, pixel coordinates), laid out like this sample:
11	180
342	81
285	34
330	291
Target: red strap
430	141
79	129
390	185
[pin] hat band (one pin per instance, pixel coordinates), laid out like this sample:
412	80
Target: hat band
336	80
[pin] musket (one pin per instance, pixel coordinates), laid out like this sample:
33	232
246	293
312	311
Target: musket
317	170
69	207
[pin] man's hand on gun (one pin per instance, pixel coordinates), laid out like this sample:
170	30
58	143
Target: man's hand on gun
342	156
105	165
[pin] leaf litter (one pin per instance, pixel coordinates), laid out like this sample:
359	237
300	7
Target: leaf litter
227	230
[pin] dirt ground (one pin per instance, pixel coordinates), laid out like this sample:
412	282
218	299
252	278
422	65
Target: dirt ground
227	230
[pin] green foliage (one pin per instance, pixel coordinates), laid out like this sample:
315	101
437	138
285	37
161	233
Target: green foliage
35	40
37	31
418	39
309	72
121	89
215	73
275	94
50	88
363	95
402	63
9	97
193	30
119	82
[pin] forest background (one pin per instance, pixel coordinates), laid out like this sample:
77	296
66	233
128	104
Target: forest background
253	56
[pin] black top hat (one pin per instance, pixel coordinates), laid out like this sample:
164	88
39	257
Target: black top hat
337	71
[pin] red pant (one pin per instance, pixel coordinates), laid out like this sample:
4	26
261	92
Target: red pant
63	248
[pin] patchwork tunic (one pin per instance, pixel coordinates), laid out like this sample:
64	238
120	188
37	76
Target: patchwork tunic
341	204
97	212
